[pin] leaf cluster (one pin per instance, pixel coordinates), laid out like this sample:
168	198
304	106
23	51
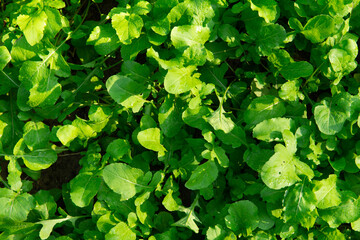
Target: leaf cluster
187	119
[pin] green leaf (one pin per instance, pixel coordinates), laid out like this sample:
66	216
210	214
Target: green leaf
22	50
221	156
48	225
272	129
14	176
45	204
83	188
56	4
39	159
188	35
348	211
55	22
290	91
342	58
169	117
195	55
196	117
270	37
297	70
215	75
142	8
204	175
5	57
40	82
120	232
84	131
67	133
118	148
230	35
136	71
330	233
215	233
255	157
104	39
300	205
33	26
235	138
262	108
57	62
201	11
330	117
99	117
165	64
189	220
219	121
267	9
283	168
36	135
126	91
127	26
243	217
123	179
151	139
130	51
318	28
181	80
17	207
327	193
169	202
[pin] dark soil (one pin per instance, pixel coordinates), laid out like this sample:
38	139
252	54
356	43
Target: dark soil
4	172
62	171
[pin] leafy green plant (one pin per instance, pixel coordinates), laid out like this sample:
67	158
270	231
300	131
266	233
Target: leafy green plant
179	119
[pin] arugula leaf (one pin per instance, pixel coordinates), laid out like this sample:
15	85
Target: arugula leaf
45	204
40	82
266	9
189	220
300	206
118	148
5	57
326	192
33	26
230	35
104	39
181	80
16	207
330	116
188	35
272	129
83	188
169	117
243	217
347	211
202	176
296	70
219	121
283	167
126	91
39	159
121	231
270	37
318	28
150	138
263	108
123	179
66	134
127	26
36	135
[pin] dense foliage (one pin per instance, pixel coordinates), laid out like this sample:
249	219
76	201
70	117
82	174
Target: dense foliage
179	119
